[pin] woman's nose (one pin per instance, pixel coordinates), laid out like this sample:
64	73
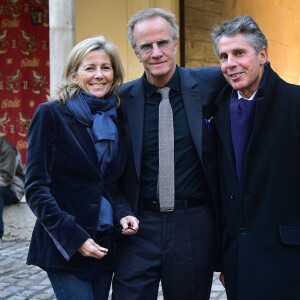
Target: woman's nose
98	73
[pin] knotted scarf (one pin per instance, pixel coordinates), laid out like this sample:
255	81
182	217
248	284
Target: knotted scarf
99	116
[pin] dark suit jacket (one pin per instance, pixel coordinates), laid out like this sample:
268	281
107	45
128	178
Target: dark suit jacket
199	88
63	187
262	217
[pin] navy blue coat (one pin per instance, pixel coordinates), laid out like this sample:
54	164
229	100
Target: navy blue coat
63	187
262	217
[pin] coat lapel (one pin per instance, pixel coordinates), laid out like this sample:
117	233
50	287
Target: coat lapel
86	143
260	112
223	124
263	101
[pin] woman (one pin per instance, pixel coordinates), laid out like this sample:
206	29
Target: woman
75	153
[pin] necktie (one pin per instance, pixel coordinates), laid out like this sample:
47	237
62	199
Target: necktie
166	189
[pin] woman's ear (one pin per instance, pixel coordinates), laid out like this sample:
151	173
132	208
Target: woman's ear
74	77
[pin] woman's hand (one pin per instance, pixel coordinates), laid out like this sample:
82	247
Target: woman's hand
91	249
130	225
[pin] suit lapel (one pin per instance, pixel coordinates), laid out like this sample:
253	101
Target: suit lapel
135	116
192	100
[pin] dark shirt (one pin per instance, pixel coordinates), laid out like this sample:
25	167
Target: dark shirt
190	182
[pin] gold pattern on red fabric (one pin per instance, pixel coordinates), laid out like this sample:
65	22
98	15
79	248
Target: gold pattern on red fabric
24	66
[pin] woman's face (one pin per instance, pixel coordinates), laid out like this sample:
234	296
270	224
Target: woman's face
95	75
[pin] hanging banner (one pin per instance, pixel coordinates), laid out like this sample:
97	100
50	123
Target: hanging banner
24	66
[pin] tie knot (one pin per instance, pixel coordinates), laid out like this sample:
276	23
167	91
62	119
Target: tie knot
164	92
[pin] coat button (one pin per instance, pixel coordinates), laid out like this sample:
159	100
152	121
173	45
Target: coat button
243	230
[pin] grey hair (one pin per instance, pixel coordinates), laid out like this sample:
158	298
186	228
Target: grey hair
76	57
149	13
240	25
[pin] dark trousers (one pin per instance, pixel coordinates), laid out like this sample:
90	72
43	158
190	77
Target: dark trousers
7	197
177	248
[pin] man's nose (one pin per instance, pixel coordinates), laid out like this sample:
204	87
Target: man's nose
155	49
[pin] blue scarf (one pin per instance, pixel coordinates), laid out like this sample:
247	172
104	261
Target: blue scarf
99	116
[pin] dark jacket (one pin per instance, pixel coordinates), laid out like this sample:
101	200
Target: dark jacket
262	217
63	187
199	88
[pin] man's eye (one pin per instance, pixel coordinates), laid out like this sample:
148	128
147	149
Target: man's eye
163	43
147	46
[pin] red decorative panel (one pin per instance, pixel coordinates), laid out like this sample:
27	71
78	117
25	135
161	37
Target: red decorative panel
24	66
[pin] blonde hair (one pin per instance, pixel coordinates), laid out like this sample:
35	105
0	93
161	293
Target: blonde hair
74	60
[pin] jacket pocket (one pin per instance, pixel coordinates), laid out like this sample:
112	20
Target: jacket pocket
290	234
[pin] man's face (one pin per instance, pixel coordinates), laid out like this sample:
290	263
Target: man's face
155	49
241	66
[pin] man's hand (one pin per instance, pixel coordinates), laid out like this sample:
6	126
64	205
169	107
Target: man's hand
130	225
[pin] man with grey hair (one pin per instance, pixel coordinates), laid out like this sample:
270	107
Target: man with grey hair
258	122
175	246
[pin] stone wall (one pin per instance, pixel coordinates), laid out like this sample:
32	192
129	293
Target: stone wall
279	21
199	17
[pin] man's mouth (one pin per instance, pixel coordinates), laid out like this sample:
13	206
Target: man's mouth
235	75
